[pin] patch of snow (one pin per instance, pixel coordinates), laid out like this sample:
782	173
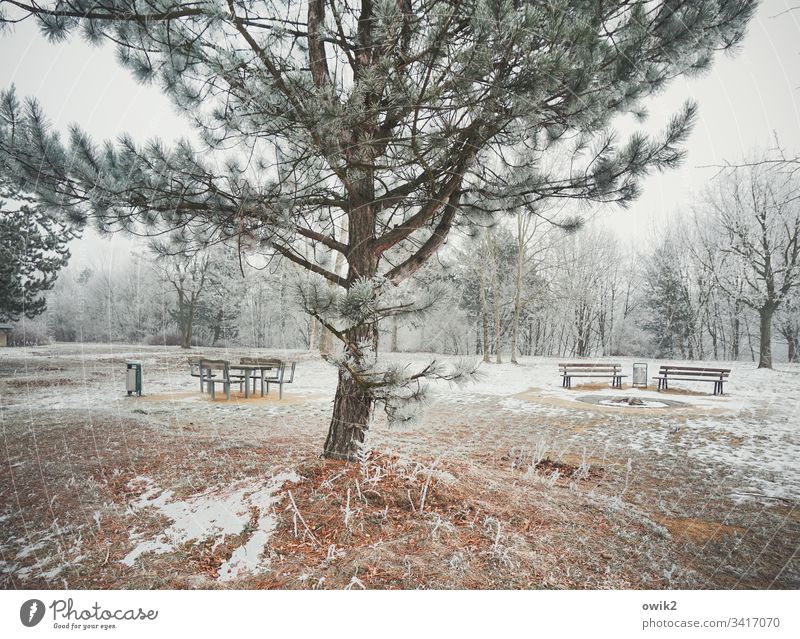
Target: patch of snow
646	403
213	514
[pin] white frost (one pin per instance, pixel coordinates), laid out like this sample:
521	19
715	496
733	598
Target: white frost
213	514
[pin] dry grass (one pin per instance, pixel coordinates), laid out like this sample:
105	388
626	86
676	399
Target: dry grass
393	523
477	497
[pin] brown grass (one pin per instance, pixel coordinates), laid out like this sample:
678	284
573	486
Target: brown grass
237	396
695	530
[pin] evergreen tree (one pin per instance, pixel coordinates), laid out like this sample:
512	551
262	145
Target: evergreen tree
33	248
668	299
386	113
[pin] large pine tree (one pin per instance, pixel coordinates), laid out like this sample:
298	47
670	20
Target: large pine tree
378	116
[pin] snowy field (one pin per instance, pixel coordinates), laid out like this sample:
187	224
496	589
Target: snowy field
512	481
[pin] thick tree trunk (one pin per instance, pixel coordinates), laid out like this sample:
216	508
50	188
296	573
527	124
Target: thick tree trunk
352	406
765	348
792	343
352	411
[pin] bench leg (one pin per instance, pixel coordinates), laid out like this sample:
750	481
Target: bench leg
280	390
227	386
211	388
246	383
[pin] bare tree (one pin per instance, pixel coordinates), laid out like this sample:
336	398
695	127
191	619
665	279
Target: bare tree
187	275
789	324
750	229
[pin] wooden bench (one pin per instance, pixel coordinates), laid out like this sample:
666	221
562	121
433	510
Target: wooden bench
590	369
669	373
195	370
208	369
272	371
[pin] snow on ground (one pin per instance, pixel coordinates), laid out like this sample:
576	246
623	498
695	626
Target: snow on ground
214	514
759	410
743	445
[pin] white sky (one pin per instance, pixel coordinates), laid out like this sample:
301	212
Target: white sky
744	101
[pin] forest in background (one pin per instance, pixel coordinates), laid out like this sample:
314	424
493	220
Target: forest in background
530	285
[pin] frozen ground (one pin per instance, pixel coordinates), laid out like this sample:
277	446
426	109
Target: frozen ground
173	490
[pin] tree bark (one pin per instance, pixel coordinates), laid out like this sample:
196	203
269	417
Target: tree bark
353	403
495	302
312	333
352	412
326	337
186	320
765	348
484	314
518	287
736	330
393	345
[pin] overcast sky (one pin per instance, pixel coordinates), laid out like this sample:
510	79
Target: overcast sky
744	101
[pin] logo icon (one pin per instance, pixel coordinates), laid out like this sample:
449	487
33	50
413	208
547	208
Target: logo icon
31	612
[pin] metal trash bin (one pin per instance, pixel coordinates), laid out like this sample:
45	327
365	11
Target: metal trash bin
639	378
133	378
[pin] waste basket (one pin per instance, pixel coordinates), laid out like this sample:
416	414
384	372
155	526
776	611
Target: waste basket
133	379
639	379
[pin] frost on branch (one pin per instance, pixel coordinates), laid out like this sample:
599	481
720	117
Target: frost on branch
399	389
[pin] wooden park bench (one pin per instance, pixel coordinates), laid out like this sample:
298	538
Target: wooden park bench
208	374
272	371
590	369
669	373
195	370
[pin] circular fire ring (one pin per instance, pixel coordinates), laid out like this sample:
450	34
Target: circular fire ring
629	401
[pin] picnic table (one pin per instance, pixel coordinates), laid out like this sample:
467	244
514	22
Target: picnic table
270	371
264	370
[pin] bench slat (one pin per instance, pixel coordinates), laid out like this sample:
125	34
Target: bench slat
589	365
691	379
590	375
694	368
692	374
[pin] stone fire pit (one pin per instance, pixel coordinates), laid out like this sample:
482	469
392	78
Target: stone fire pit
629	401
